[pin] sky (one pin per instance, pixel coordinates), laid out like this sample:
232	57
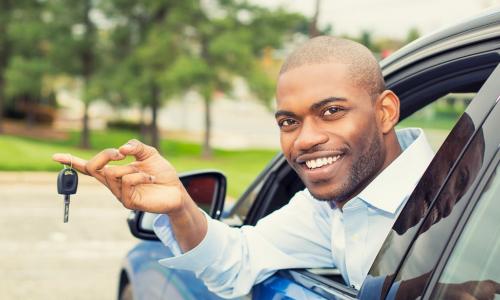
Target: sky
388	18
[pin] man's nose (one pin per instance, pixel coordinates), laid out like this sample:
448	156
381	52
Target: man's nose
311	135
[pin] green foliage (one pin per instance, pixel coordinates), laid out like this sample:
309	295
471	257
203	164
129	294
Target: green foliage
262	85
24	76
412	35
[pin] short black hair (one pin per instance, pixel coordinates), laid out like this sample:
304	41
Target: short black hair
363	66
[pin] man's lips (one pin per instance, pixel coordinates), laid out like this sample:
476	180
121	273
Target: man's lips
322	161
319	155
320	166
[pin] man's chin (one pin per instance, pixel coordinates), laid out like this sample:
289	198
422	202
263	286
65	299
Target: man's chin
330	195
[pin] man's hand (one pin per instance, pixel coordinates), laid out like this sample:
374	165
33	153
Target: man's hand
149	184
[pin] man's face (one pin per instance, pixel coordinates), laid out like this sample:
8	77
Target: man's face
328	130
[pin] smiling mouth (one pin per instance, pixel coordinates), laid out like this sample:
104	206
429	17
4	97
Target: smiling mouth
322	161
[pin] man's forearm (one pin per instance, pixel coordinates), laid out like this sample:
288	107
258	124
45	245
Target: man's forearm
189	226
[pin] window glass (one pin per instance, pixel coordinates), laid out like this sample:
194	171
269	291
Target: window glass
476	256
438	118
238	214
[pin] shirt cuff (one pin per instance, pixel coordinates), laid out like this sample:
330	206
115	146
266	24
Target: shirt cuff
163	229
198	258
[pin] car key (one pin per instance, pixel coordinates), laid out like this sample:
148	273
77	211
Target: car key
67	182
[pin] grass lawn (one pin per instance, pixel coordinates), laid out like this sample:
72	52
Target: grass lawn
28	154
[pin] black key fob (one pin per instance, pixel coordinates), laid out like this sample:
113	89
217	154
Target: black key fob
67	181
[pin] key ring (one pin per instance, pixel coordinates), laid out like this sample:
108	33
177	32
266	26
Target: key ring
70	162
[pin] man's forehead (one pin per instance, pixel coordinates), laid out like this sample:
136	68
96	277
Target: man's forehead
313	83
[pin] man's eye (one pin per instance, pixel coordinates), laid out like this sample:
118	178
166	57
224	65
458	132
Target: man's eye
331	110
286	122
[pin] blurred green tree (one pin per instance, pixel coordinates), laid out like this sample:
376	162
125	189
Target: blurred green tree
161	49
228	39
24	65
6	7
412	35
74	48
145	41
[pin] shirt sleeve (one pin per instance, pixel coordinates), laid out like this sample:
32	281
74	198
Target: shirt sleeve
231	260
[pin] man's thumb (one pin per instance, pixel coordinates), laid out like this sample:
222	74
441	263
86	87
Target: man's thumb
139	150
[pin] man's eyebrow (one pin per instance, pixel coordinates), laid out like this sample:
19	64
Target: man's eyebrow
318	105
284	113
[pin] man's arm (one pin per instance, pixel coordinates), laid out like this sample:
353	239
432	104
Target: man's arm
231	260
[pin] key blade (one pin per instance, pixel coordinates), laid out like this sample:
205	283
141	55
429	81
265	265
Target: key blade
66	208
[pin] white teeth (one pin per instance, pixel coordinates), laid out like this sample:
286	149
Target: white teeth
319	162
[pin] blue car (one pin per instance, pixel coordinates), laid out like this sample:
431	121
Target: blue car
449	230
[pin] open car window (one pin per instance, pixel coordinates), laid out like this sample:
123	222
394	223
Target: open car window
438	118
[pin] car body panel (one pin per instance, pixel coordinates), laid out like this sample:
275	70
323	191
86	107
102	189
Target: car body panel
147	276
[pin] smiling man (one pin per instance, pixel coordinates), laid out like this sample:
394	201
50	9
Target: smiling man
336	120
337	132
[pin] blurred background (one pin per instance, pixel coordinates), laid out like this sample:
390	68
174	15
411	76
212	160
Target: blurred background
195	79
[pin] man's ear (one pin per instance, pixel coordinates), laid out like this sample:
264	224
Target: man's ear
387	106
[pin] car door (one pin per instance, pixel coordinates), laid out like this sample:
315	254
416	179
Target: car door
416	242
458	241
470	262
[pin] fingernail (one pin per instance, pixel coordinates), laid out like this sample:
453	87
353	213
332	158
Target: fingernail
128	145
117	154
57	157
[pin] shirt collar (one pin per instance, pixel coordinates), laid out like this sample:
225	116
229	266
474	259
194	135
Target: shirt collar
395	183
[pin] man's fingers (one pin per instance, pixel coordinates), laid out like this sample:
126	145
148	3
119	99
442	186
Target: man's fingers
113	177
97	163
70	160
139	150
119	171
129	198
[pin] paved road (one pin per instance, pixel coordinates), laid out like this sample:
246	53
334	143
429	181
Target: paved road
43	258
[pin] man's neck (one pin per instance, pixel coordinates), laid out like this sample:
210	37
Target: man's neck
393	150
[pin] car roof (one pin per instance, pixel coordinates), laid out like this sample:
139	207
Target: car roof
478	28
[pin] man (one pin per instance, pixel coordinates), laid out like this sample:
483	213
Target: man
337	132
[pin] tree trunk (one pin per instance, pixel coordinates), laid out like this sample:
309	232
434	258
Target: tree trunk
85	137
2	101
155	136
29	109
207	147
87	58
5	13
313	26
143	128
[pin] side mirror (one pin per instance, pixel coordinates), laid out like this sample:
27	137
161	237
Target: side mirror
206	188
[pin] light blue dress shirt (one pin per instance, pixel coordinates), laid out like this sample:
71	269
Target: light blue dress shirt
305	233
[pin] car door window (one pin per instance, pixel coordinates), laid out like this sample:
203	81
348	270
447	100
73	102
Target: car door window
438	118
237	215
476	256
420	232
